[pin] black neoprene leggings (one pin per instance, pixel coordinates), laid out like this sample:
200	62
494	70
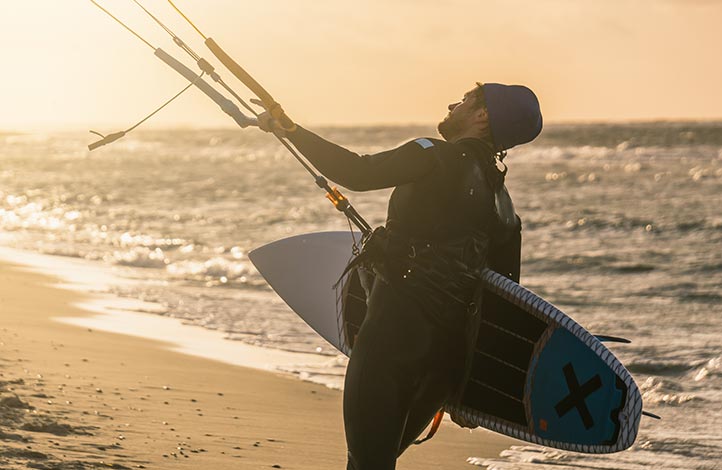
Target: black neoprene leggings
402	370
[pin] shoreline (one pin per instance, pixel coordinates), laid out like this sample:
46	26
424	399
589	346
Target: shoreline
143	319
72	395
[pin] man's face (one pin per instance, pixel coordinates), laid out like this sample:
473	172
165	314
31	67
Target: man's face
464	116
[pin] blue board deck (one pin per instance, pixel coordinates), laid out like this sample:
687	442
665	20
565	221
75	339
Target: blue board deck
541	377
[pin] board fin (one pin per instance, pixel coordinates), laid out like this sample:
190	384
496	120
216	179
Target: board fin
651	415
612	339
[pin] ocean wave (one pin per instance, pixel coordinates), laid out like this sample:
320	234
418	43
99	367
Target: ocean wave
329	378
603	262
694	225
528	454
689	448
656	391
702	297
701	172
22	214
704	268
128	239
687	292
541	152
659	367
711	369
647	452
597	222
634	135
632	268
139	257
217	269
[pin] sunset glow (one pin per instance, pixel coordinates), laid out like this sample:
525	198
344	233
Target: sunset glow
67	65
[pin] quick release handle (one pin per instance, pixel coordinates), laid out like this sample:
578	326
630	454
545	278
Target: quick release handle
270	104
108	139
337	199
342	204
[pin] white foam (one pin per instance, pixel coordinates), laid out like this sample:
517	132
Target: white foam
76	274
188	339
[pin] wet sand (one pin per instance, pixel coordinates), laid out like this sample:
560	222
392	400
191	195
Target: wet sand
76	398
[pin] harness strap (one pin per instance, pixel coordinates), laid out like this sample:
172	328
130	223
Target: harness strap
436	422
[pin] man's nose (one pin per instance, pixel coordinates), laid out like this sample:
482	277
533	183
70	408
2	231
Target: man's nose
453	105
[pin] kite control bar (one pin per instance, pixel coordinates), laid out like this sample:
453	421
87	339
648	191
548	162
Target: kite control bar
228	106
274	109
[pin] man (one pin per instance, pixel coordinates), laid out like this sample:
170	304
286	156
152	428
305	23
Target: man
449	216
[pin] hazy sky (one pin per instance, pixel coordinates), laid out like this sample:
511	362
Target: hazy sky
65	64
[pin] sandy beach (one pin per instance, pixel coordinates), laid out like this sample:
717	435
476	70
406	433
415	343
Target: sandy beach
77	398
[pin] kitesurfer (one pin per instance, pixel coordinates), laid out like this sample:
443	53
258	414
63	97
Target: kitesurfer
449	216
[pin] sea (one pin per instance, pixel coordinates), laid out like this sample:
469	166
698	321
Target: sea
622	231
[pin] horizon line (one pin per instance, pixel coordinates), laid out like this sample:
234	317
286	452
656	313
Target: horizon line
76	127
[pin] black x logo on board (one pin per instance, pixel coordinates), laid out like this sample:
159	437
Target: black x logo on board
578	395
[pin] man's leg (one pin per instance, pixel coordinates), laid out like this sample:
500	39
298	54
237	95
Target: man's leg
444	371
376	391
402	370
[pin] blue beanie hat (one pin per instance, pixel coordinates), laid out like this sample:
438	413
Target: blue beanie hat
514	114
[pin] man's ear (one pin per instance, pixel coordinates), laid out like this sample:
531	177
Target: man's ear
481	113
481	116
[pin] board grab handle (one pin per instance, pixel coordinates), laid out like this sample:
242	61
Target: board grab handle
269	103
225	104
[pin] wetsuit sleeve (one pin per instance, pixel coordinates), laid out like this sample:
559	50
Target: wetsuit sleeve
402	165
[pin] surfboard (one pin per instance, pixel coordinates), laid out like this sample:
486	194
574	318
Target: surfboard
537	375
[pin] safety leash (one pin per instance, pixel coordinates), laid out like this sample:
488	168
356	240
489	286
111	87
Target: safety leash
435	423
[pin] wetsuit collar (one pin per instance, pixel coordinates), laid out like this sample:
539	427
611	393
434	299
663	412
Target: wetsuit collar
477	145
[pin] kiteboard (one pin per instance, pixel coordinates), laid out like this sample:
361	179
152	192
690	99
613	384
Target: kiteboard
537	375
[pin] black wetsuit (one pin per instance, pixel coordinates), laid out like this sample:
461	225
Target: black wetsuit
408	358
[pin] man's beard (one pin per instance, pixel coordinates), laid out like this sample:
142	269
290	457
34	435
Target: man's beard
450	127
